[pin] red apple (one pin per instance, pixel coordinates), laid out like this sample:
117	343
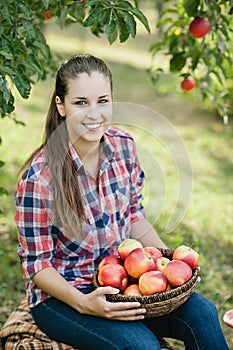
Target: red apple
152	282
132	289
186	254
177	272
138	262
48	15
154	252
110	259
199	27
113	275
188	84
228	318
160	263
127	246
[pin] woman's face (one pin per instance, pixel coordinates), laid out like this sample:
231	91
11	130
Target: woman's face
87	108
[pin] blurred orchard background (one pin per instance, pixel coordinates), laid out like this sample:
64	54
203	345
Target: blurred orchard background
149	48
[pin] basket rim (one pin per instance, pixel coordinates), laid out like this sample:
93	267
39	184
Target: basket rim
157	297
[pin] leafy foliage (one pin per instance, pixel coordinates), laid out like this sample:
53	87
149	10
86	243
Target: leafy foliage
115	19
26	58
24	54
208	59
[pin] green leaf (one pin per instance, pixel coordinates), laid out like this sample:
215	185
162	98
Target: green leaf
173	45
132	25
24	9
177	62
93	16
7	69
125	4
63	16
6	54
111	31
123	28
34	65
92	2
46	4
22	83
5	91
6	107
142	18
163	21
3	191
28	26
106	17
195	60
5	14
1	163
44	49
191	7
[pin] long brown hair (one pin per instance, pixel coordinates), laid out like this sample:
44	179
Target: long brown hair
68	205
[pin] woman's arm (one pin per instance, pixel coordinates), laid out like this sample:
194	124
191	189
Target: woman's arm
143	231
94	303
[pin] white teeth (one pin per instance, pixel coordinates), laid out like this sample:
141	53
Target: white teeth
93	126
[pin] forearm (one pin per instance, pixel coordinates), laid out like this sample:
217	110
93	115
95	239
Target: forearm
93	303
50	281
144	232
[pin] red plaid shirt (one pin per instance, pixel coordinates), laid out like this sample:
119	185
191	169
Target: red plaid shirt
110	211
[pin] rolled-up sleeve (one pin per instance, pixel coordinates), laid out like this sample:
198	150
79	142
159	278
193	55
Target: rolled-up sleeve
34	223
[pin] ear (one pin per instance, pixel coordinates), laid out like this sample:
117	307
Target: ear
60	106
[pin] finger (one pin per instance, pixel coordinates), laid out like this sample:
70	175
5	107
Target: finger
124	306
130	314
106	290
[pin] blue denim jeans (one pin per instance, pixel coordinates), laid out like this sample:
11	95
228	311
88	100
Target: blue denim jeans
195	323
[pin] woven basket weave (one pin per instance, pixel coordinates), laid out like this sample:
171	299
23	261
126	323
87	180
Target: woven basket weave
158	304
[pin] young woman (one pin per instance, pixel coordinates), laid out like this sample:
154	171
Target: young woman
80	196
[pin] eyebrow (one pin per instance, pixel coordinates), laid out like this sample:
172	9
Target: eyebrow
84	98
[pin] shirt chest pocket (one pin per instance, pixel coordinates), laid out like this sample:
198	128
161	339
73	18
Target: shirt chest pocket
122	196
118	202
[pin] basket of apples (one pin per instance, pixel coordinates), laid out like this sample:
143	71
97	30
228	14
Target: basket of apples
160	279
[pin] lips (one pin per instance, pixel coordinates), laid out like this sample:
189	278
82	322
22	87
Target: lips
92	126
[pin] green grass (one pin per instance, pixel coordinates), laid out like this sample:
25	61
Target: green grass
208	221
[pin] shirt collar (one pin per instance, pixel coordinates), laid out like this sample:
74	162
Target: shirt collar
107	147
74	157
106	153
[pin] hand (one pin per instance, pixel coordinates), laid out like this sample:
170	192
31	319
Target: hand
97	305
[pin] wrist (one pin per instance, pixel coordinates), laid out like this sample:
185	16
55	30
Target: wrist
78	300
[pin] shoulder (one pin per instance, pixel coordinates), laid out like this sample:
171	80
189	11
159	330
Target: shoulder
119	137
118	133
38	170
122	142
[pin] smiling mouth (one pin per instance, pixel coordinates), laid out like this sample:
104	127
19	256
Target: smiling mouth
93	126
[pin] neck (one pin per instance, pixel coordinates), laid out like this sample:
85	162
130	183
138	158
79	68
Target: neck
86	151
90	158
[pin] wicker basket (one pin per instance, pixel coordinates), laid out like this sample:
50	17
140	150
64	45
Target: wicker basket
158	304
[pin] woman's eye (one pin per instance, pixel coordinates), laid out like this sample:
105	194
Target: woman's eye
80	103
103	101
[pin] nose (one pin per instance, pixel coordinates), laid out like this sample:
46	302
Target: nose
94	112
